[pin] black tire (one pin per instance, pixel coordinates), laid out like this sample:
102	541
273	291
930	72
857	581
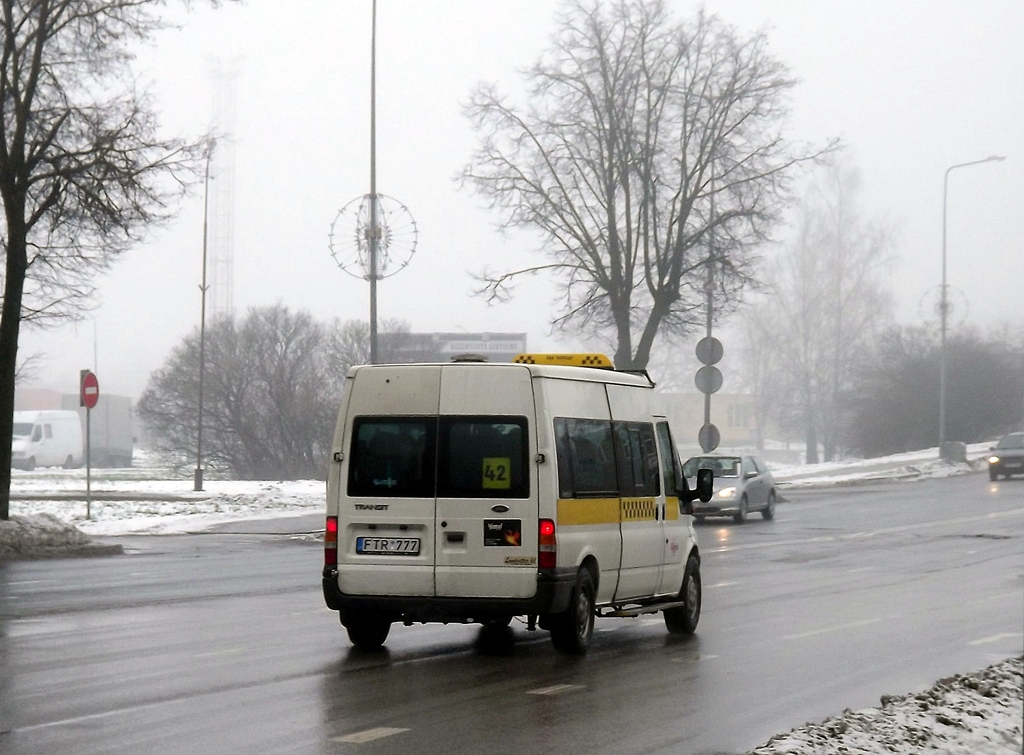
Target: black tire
683	620
572	631
768	512
69	463
368	631
30	465
741	516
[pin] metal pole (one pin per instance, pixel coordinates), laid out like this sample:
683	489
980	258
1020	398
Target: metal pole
373	232
88	463
197	480
709	291
944	300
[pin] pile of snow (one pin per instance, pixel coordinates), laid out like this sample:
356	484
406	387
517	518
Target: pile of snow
913	465
45	536
964	715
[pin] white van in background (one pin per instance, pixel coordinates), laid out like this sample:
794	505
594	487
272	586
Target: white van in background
46	439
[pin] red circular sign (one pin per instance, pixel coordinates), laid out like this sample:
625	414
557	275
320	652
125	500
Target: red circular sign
90	390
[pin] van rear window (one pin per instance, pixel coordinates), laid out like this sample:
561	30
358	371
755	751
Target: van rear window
483	457
393	457
454	457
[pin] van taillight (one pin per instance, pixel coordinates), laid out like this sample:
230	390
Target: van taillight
331	542
547	550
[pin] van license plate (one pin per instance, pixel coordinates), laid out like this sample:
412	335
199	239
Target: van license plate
388	546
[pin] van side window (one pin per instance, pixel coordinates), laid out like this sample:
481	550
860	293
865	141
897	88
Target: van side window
637	455
671	468
483	457
586	458
47	432
392	457
37	433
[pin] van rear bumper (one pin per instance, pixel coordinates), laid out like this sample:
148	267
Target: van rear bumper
552	596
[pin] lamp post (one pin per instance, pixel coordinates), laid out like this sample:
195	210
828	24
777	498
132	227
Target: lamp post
943	299
197	477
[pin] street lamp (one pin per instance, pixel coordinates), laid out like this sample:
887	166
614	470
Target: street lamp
944	301
197	477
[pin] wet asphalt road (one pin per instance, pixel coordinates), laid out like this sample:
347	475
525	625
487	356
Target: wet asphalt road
220	642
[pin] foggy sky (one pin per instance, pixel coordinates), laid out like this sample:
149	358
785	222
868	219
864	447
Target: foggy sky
911	88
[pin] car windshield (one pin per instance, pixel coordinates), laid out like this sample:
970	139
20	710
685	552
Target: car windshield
21	429
1012	441
721	466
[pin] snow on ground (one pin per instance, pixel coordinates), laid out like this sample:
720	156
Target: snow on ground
974	713
968	714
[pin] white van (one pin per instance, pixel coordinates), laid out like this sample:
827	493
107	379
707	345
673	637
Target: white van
476	492
46	439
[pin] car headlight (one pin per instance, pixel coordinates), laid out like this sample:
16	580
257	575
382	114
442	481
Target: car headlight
729	492
993	459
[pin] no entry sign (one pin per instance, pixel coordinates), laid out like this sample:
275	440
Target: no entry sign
90	389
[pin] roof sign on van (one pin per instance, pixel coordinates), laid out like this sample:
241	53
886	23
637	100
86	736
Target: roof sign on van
571	360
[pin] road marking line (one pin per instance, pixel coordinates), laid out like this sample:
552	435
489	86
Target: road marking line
826	630
997	638
220	652
691	659
555	689
361	737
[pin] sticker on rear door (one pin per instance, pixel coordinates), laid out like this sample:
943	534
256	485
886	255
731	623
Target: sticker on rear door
503	532
497	473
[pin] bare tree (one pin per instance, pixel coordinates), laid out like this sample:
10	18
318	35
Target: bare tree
269	399
272	386
640	137
827	302
82	170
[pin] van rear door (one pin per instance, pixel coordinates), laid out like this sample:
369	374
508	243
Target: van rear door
387	505
487	502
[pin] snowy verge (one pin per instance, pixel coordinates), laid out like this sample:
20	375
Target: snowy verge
46	536
967	714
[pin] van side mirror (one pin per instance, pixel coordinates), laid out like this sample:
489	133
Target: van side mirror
705	485
703	489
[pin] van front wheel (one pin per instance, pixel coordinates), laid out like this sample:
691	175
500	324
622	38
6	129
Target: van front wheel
367	632
571	631
683	619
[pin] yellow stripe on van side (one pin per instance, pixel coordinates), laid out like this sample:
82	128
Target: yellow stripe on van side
671	507
607	510
588	511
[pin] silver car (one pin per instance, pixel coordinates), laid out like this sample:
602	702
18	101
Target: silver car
1007	457
742	484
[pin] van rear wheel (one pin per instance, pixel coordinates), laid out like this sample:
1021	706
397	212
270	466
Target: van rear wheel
683	619
69	463
572	631
367	631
